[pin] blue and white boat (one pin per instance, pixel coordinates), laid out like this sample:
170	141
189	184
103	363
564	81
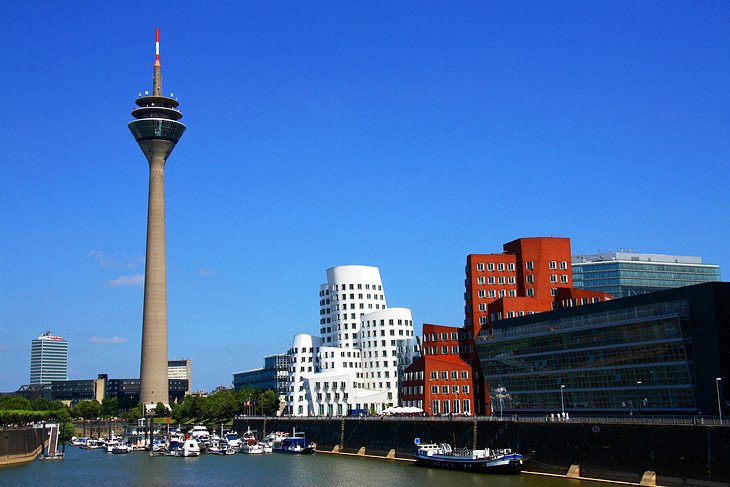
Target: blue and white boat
297	443
441	455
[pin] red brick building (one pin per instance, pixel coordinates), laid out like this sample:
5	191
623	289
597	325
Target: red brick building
532	275
446	379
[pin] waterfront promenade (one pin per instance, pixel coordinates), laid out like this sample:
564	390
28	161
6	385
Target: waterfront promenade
681	451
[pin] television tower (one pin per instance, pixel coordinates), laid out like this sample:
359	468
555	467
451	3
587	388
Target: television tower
156	130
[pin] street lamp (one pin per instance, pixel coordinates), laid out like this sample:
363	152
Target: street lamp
562	403
717	387
638	395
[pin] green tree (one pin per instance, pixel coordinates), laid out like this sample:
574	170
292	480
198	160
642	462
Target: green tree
109	406
269	402
14	402
87	409
160	410
133	413
66	430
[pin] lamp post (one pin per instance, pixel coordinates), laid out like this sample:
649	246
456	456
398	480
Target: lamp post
719	406
562	402
638	395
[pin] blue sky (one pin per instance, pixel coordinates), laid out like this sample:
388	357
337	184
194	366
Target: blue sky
404	135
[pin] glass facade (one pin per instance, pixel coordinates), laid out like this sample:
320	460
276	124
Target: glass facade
272	376
156	128
48	360
631	359
624	278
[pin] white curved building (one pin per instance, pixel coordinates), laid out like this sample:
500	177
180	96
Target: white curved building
350	292
364	348
381	335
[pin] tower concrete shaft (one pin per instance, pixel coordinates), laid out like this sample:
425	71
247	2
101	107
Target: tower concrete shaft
157	131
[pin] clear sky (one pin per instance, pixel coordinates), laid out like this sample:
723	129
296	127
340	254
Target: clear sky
404	135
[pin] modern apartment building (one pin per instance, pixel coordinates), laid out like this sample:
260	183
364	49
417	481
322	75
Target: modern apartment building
48	359
363	350
532	275
629	273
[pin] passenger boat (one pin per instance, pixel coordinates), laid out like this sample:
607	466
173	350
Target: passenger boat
441	455
297	443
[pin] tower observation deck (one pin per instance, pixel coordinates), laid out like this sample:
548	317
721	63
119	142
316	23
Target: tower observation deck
157	130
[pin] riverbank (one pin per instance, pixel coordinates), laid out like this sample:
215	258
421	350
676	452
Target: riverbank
639	454
20	445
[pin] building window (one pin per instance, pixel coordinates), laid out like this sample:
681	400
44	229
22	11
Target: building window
480	266
444	374
482	293
529	265
490	266
492	293
444	389
563	265
490	280
511	267
434	389
480	280
454	389
553	278
553	291
564	278
445	405
434	374
502	293
435	407
483	306
501	280
500	267
464	374
553	265
530	278
454	374
530	292
512	293
511	279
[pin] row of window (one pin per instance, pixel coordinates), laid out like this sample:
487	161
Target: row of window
445	350
434	337
454	389
450	407
500	266
454	374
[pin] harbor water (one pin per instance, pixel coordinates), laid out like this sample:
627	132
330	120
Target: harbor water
96	467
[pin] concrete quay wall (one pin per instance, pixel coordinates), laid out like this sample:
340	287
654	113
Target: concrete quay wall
679	454
20	445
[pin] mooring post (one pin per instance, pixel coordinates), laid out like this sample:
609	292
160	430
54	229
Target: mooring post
342	433
474	434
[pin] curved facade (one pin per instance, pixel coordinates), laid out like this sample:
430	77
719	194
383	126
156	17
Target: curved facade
382	333
350	292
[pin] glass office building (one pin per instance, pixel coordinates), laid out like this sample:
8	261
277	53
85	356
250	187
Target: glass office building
48	359
655	353
628	274
272	376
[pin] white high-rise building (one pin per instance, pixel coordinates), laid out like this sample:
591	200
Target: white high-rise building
364	348
48	359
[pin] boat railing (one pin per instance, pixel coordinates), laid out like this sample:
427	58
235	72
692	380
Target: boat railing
462	452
